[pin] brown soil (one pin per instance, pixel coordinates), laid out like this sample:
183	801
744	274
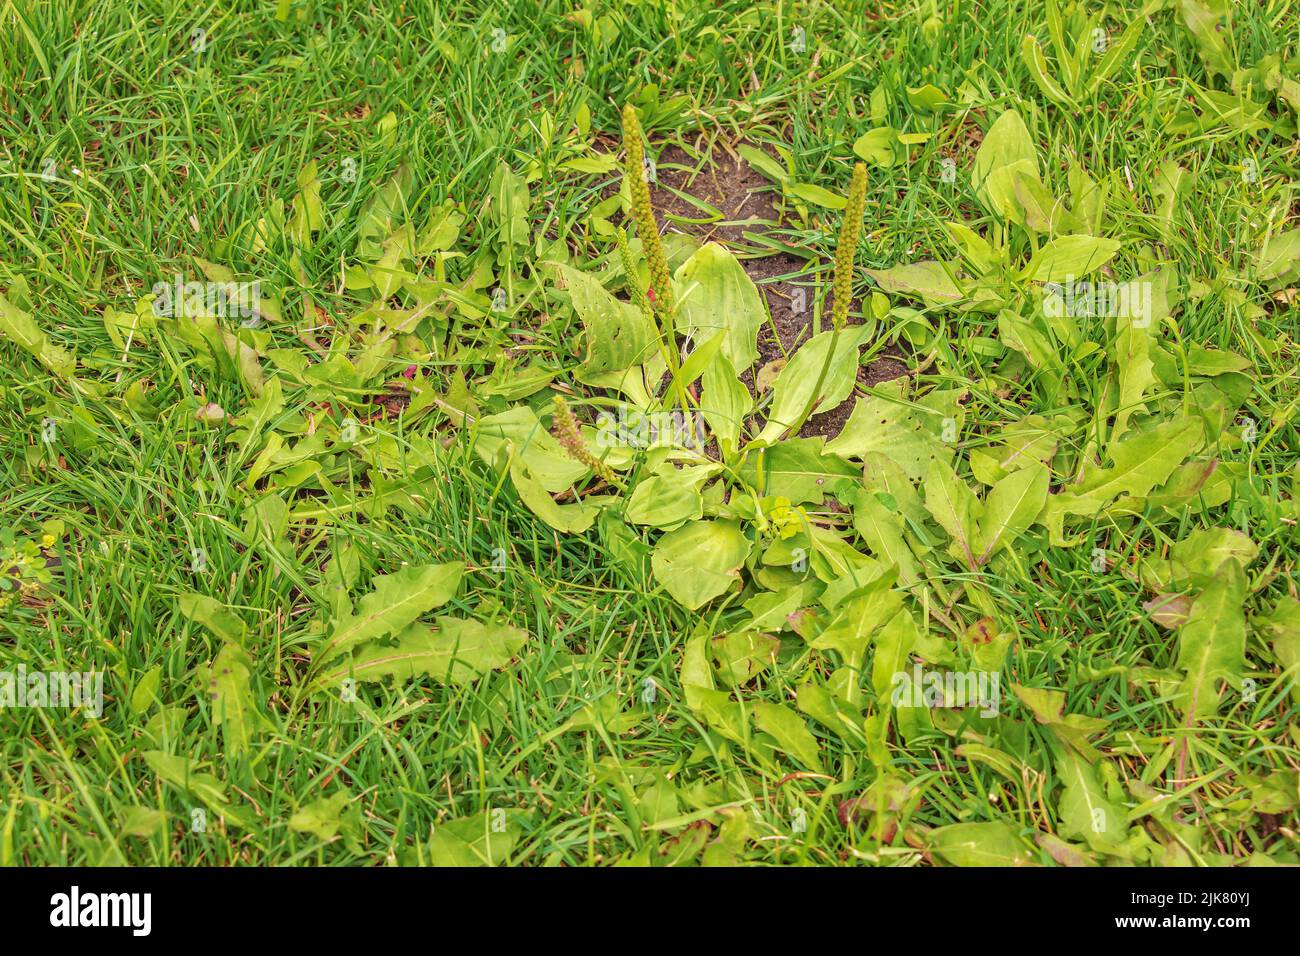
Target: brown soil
745	197
748	203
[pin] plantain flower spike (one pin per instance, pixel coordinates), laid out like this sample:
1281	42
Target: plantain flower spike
629	269
565	430
643	212
845	252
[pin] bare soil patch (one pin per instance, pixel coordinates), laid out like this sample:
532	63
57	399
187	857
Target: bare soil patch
748	203
745	197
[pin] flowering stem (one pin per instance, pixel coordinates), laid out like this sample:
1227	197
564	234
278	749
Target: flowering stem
842	281
663	306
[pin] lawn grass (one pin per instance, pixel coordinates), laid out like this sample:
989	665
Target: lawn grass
131	147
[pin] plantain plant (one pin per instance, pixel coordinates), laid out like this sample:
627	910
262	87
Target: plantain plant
727	478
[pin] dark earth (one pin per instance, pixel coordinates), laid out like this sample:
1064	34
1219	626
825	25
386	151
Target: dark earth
748	201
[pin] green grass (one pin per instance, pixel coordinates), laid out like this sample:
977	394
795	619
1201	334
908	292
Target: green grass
163	155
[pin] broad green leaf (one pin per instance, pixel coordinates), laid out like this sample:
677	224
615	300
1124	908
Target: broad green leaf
1085	811
1066	854
1044	213
956	509
482	839
842	567
1070	257
1203	24
1281	628
1212	644
771	610
1144	305
1031	441
130	327
181	773
384	210
696	670
389	273
728	849
796	469
226	685
1142	461
658	802
453	650
885	478
975	249
142	822
714	707
825	708
927	98
999	761
1198	557
764	163
741	655
894	645
20	328
571	519
789	731
1073	730
1279	257
664	501
308	211
519	433
441	230
212	614
1172	184
910	432
725	403
1030	338
258	416
881	528
700	560
700	358
321	818
1010	508
858	618
1088	199
715	294
793	390
510	202
979	844
817	195
879	146
1006	150
145	692
396	600
934	283
600	164
618	335
1212	362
